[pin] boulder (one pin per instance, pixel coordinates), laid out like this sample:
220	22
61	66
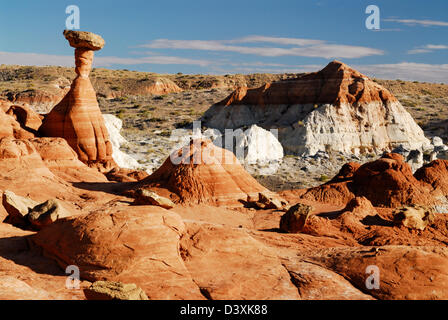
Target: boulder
110	290
126	175
336	193
414	217
17	207
415	159
267	201
128	244
83	39
47	213
148	197
294	220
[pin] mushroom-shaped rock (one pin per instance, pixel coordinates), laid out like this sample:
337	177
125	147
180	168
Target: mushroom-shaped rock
85	40
77	118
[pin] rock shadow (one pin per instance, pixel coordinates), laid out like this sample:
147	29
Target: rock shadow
331	215
18	250
115	188
376	220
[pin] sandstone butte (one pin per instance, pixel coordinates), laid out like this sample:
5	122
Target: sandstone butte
209	245
77	118
337	109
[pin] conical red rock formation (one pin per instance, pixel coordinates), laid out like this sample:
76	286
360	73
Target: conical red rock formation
77	118
387	182
203	173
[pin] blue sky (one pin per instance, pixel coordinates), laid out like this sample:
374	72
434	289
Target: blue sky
219	37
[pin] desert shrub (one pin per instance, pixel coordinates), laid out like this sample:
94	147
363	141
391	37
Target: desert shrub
156	120
146	114
182	124
165	133
121	113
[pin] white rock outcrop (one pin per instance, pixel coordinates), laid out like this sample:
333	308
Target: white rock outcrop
375	128
253	146
113	126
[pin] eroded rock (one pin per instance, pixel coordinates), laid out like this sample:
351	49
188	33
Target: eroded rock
110	290
17	207
200	172
336	109
414	217
47	213
148	197
266	200
295	218
77	118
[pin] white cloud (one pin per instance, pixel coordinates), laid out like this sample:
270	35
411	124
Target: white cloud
425	23
108	61
407	71
404	70
36	59
436	46
306	47
428	48
39	59
411	71
277	40
416	51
